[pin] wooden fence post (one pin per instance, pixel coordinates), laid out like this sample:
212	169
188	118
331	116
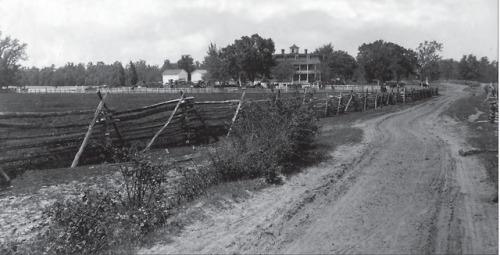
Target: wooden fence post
236	113
305	95
5	176
366	97
166	124
326	105
348	102
89	132
376	99
340	100
115	127
404	95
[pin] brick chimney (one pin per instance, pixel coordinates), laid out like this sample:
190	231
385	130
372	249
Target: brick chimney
305	51
283	51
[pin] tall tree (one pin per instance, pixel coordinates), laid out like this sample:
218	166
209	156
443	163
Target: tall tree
468	67
249	57
405	61
120	74
167	65
342	65
187	64
133	74
448	69
326	51
283	71
214	64
428	59
384	61
11	51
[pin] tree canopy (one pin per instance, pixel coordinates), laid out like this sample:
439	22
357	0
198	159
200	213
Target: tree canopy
11	51
249	57
428	60
283	71
214	64
385	61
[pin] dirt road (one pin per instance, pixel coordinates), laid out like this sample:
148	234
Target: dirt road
404	189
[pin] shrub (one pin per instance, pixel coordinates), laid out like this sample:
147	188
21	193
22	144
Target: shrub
267	140
101	219
85	225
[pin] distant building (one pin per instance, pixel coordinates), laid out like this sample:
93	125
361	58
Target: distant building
172	75
306	65
197	75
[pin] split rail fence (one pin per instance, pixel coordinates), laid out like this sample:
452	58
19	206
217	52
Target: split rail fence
38	140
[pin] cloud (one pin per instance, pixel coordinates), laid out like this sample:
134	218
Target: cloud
60	31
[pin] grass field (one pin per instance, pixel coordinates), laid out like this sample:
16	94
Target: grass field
26	102
50	102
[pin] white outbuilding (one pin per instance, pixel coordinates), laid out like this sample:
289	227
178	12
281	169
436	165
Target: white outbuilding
197	75
173	75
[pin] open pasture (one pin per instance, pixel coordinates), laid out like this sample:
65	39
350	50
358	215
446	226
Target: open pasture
51	102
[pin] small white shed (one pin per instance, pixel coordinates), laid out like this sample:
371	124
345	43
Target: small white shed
197	75
173	75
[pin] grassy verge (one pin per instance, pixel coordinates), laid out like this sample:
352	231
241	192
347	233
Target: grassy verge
473	112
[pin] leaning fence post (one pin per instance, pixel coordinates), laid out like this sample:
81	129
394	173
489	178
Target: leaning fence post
166	124
236	113
348	102
89	132
5	176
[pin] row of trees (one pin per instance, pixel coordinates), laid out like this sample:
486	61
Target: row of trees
114	75
250	58
91	74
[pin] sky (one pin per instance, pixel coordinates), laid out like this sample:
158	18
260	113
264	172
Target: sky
82	31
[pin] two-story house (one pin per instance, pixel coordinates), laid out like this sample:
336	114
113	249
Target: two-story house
306	65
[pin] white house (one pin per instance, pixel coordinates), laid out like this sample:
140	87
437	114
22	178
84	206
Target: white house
197	75
173	75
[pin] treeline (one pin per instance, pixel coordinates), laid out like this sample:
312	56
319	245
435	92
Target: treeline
250	58
113	75
468	68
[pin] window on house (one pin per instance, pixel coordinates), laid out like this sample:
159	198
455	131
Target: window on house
296	56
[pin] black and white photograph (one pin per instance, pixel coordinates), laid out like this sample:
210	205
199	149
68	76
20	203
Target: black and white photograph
249	127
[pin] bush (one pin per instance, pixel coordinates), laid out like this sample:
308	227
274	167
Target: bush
101	219
267	141
83	226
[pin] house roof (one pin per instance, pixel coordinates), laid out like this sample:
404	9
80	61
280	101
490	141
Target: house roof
201	71
172	71
294	47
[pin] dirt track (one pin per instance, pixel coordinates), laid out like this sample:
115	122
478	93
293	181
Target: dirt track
404	189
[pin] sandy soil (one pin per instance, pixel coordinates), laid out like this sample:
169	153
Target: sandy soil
404	189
